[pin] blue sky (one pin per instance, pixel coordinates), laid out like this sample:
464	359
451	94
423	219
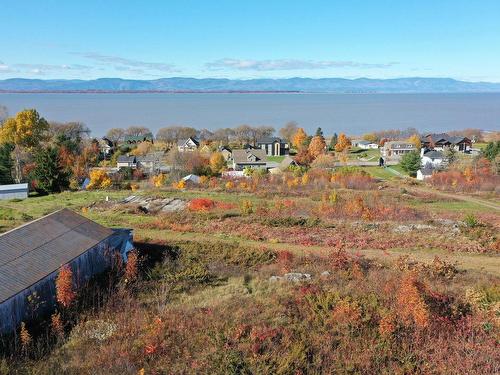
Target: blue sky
250	39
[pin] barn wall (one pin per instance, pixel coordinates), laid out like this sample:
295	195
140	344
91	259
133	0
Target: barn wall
18	194
94	261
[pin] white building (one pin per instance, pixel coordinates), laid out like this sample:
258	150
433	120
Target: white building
431	157
13	191
189	144
365	145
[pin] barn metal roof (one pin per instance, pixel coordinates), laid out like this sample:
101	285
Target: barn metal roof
34	250
13	187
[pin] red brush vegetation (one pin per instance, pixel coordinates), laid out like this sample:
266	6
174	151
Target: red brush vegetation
65	292
201	204
477	177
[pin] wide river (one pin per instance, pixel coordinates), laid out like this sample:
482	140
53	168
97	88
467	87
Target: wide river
351	113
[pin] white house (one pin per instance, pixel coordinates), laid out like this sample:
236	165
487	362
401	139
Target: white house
13	191
189	144
125	161
431	157
425	172
365	145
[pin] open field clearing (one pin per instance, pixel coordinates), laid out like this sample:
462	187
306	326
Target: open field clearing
292	277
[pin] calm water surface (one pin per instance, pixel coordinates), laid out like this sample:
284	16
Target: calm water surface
351	113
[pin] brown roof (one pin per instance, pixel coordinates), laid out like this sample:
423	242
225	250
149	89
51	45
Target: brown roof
256	156
33	251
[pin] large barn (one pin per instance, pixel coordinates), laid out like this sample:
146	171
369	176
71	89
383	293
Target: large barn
32	254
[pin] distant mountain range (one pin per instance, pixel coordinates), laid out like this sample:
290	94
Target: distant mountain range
309	85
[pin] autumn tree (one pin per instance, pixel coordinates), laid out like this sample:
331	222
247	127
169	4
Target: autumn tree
415	139
25	131
172	134
74	131
299	138
115	135
370	137
323	161
99	179
224	135
217	162
288	131
142	149
317	146
343	143
65	292
137	131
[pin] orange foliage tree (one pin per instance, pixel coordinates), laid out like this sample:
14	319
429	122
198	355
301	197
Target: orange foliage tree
343	143
411	304
132	267
317	146
65	293
299	138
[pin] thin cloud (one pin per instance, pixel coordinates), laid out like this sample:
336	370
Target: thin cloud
289	64
124	63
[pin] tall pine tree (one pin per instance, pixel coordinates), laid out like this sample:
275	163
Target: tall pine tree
6	164
49	176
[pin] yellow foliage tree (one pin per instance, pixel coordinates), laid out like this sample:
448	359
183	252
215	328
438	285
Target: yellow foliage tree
217	162
370	137
142	149
299	138
159	180
415	139
317	146
180	185
25	130
343	143
99	179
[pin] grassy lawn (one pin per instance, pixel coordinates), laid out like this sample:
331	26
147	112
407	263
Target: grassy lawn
371	154
379	172
277	159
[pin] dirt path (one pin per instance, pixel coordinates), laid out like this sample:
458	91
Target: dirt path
465	198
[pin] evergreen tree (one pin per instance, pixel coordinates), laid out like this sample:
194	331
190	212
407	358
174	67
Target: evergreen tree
49	176
410	163
6	164
333	141
491	150
319	132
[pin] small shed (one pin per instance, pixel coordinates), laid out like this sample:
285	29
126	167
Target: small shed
14	191
32	254
191	179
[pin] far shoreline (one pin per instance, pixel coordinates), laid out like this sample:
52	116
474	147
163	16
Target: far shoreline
244	92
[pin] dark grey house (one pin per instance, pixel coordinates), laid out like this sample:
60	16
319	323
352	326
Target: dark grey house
273	146
32	254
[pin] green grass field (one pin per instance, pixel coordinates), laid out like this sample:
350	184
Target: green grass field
277	159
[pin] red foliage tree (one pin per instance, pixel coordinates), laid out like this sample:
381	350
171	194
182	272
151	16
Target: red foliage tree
65	293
